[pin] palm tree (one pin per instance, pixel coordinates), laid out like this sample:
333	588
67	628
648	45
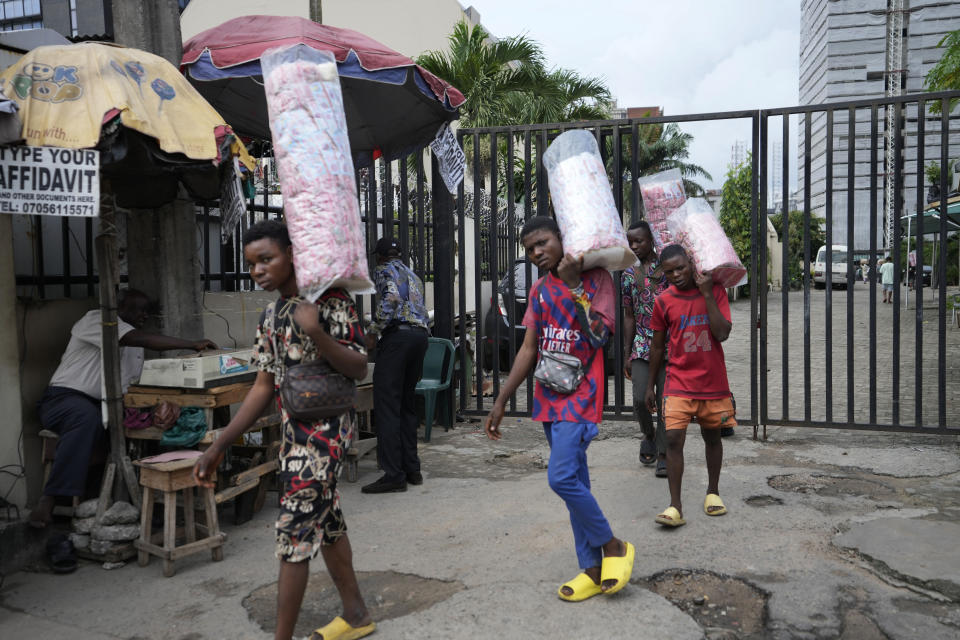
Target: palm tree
486	71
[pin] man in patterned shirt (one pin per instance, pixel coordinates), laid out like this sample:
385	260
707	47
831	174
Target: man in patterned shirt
401	320
641	284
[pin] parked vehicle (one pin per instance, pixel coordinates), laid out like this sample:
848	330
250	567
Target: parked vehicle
505	316
911	273
838	261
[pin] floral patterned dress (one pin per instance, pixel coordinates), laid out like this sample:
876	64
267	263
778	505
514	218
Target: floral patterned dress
311	453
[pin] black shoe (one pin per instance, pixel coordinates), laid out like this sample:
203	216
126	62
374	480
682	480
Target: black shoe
415	478
661	471
384	486
726	432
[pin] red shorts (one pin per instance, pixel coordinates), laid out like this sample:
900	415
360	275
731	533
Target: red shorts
711	414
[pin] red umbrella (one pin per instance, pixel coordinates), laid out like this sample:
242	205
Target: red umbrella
392	105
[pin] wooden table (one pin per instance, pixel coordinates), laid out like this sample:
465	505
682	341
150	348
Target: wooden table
208	399
360	448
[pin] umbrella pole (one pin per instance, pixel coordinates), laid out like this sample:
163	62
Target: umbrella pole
114	483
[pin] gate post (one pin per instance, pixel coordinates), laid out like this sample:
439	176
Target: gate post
443	271
442	254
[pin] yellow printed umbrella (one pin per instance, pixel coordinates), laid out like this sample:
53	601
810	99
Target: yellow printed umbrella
153	129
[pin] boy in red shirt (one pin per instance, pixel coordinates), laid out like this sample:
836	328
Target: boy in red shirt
571	311
695	314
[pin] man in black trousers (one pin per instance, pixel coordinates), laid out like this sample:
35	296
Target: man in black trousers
400	318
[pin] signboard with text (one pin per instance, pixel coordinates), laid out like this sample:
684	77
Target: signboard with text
50	181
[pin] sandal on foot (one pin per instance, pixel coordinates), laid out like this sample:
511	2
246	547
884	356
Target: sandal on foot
583	587
340	629
713	501
618	568
670	517
661	471
648	452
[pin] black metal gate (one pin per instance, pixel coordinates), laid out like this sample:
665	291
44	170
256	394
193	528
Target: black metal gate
813	357
881	367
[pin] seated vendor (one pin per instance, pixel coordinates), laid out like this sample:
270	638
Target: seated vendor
70	406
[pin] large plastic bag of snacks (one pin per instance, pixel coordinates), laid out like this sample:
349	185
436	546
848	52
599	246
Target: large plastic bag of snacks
662	194
316	172
695	227
583	203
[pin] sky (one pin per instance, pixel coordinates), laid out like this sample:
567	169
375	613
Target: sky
686	56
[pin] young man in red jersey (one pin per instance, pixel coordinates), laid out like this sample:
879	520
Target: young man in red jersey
695	315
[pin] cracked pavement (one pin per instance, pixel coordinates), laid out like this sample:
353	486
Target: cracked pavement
845	534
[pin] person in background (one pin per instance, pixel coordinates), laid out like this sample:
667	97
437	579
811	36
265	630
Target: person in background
640	285
401	320
71	404
886	279
293	330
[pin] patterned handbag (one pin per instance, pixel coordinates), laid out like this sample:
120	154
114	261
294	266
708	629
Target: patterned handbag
561	372
314	390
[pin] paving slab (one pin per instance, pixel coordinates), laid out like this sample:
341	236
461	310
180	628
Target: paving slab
922	552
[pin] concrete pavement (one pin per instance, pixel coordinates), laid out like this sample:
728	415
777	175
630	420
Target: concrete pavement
830	535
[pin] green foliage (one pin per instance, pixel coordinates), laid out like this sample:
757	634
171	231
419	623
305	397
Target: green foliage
932	171
506	81
945	75
795	247
735	208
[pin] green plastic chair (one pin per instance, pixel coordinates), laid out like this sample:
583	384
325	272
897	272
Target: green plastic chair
437	374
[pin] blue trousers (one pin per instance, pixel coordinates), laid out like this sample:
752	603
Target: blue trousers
570	479
76	418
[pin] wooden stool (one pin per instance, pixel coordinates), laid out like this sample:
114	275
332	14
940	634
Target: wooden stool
48	449
171	478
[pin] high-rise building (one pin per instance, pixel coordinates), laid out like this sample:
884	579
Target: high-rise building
863	49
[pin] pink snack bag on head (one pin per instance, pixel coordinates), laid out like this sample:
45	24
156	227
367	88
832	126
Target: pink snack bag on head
583	202
316	170
695	227
662	194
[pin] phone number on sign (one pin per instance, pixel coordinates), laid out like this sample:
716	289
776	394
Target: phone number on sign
58	209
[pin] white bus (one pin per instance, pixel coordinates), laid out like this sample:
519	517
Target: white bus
838	259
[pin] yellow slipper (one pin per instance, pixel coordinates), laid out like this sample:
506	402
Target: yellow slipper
670	517
340	629
617	568
713	501
583	587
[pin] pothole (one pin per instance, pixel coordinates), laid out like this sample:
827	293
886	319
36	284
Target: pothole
725	606
388	594
763	501
521	460
832	486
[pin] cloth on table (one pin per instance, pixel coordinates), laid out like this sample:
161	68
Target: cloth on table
189	429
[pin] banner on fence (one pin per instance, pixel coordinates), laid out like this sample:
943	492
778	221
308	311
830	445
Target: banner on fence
231	202
450	156
50	181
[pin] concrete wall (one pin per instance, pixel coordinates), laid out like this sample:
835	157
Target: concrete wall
201	15
43	330
410	27
10	451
